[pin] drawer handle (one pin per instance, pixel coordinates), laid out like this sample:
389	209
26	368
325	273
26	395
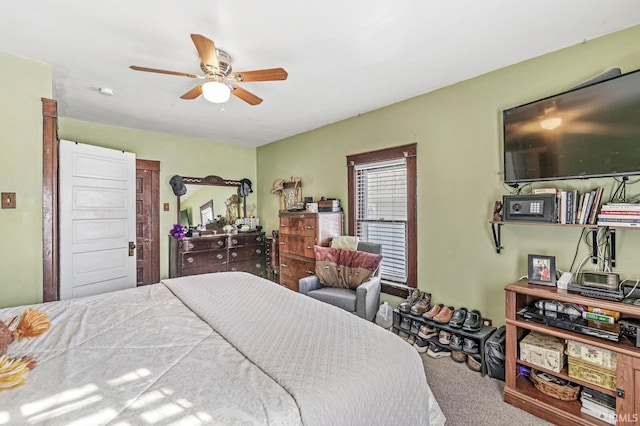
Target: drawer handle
189	259
309	227
283	243
258	266
310	272
258	251
220	242
234	241
220	255
258	239
309	247
190	245
234	254
284	265
282	225
234	269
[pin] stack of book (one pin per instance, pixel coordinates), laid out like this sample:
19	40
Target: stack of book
620	214
574	207
598	404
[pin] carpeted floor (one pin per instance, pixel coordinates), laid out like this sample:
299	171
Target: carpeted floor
467	398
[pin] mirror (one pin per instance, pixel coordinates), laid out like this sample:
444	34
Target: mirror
210	202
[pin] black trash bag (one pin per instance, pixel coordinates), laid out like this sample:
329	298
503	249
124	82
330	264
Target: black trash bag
245	188
178	185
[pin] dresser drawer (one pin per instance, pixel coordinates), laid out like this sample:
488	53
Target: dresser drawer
248	252
299	225
292	269
205	269
203	243
198	259
253	266
297	244
239	240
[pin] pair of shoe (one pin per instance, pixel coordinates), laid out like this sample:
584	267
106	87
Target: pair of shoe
435	310
412	298
455	342
470	346
426	332
438	351
458	317
473	322
444	315
444	337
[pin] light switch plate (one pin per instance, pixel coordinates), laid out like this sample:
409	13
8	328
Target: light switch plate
8	200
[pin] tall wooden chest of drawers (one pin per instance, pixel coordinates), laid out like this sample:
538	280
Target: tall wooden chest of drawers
299	232
218	253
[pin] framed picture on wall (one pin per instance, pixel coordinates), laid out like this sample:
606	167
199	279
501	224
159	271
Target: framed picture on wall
542	270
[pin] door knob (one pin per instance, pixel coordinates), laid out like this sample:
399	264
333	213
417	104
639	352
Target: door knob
132	248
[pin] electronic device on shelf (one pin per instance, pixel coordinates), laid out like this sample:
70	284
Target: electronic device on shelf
529	208
572	323
596	293
603	280
630	327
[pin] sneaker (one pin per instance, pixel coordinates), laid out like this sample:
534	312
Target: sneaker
470	346
405	323
411	340
412	298
445	337
421	345
456	342
422	305
425	331
415	326
437	351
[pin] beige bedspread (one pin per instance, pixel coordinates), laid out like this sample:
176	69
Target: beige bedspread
231	348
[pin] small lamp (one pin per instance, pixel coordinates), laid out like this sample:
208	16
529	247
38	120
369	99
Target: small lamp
216	92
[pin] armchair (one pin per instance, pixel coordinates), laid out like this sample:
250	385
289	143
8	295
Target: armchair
363	301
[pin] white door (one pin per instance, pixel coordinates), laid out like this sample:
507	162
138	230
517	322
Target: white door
97	219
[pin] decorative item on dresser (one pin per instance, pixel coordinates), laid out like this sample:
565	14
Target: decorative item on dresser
244	252
298	233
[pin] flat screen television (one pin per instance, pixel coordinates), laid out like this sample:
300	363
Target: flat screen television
592	131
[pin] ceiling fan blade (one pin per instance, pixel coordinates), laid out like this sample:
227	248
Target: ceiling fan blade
206	49
245	95
193	93
183	74
261	75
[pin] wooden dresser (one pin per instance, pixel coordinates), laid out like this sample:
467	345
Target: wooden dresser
299	232
218	253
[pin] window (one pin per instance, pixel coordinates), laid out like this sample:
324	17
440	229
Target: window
382	209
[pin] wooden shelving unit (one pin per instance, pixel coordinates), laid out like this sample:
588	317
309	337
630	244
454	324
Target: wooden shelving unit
520	392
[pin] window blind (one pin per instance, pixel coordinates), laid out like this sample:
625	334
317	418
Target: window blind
381	213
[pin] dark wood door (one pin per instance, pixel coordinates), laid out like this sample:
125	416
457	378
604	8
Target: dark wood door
147	221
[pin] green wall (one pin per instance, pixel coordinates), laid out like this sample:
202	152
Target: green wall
458	132
22	85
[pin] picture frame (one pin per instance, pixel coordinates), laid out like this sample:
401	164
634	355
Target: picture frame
542	270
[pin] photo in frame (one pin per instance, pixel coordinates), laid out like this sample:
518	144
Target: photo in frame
542	270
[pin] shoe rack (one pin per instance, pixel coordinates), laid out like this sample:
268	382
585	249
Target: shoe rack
416	321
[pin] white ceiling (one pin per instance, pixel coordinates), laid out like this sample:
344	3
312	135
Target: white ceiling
343	57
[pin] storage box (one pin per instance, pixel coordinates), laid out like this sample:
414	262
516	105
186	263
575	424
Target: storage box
592	354
603	377
543	350
328	204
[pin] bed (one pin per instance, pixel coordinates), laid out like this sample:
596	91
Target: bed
222	348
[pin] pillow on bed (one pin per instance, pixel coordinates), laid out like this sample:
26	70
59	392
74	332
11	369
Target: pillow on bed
344	268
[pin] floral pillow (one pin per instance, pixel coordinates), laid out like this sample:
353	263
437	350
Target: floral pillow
344	268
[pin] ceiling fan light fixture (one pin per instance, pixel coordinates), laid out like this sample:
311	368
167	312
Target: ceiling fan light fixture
216	92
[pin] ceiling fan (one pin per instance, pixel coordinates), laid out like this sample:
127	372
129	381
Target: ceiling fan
221	81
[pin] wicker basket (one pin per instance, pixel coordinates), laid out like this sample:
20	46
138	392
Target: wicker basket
565	390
